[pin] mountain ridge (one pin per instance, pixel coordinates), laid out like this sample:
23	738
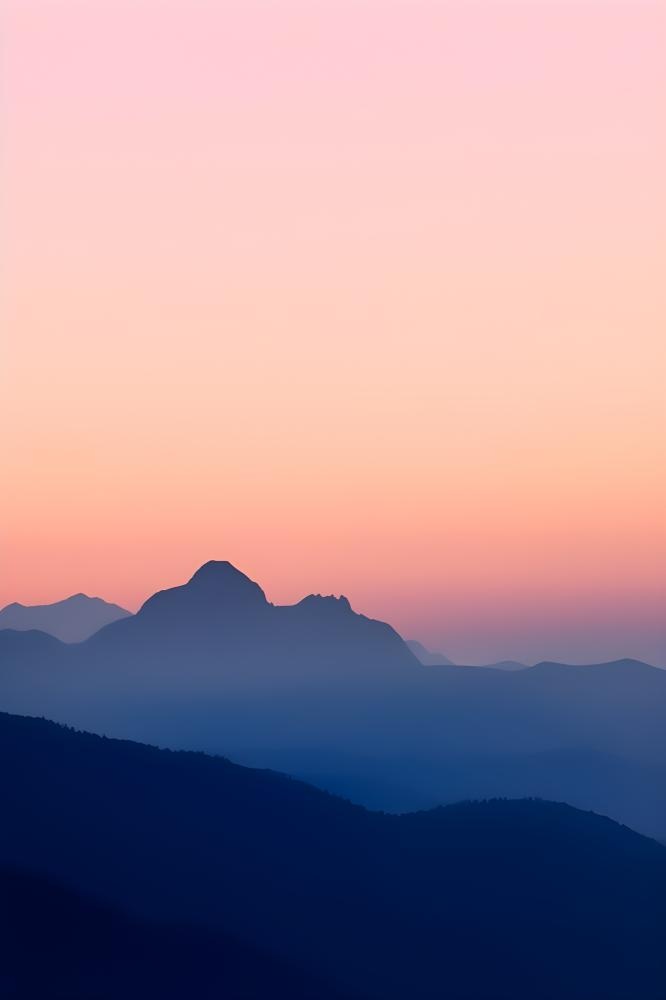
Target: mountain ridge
73	619
385	905
327	694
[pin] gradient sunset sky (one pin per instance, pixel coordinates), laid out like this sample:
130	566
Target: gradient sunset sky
366	297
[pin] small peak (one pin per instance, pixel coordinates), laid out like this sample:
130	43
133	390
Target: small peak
218	569
219	576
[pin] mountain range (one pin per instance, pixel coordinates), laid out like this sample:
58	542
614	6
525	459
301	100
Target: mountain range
340	700
78	617
496	900
72	620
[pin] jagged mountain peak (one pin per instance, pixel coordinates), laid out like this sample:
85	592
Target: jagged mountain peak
326	603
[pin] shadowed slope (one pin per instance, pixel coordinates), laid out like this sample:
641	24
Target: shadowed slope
557	902
56	943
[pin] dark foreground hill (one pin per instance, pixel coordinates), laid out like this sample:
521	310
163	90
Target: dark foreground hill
57	944
500	900
72	620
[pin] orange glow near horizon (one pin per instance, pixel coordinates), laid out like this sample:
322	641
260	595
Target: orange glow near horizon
366	298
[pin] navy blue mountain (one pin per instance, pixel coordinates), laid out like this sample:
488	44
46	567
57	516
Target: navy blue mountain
56	942
495	900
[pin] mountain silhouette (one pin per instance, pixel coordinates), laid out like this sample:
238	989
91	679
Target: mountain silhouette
72	620
215	596
336	698
221	622
556	902
59	943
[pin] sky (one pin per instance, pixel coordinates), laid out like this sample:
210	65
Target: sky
366	297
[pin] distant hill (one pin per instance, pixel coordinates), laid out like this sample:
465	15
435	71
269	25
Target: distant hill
610	784
72	620
56	943
430	659
426	656
514	900
506	665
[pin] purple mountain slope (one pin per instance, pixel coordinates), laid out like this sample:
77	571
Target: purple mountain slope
72	620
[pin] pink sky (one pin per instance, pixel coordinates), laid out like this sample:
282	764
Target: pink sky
367	297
